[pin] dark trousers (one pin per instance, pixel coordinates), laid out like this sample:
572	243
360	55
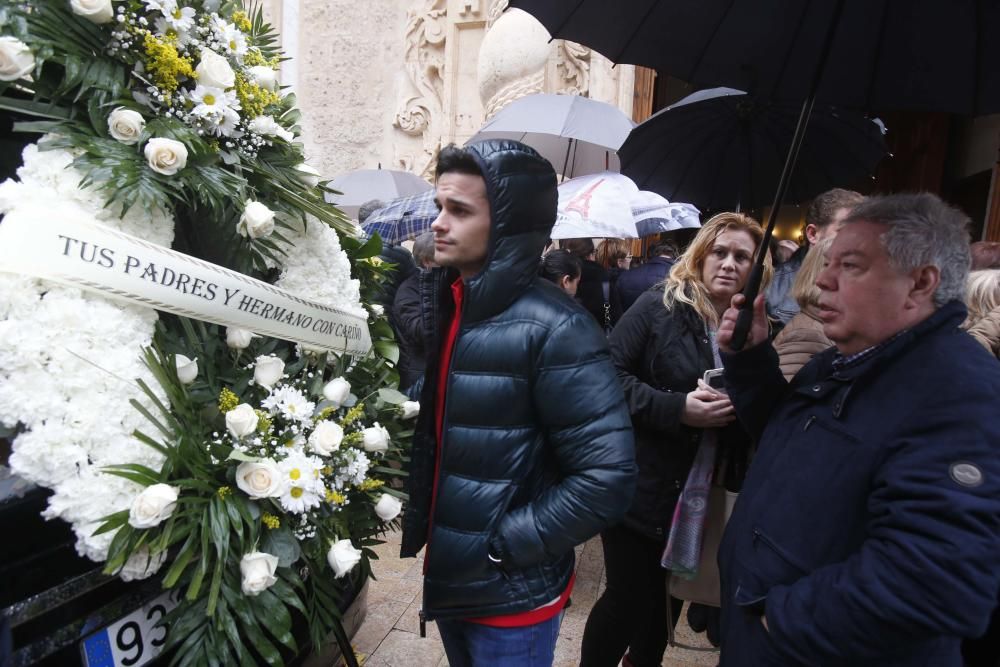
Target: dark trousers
632	612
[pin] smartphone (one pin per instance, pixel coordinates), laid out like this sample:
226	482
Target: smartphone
714	378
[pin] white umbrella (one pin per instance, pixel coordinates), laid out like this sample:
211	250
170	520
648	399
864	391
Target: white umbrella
363	185
576	134
654	214
609	205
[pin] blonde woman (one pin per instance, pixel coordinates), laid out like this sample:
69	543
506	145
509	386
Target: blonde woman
803	336
983	301
661	347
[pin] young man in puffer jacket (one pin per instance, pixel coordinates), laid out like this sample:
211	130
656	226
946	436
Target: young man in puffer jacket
524	447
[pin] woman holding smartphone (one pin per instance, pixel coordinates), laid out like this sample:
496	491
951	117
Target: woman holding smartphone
662	347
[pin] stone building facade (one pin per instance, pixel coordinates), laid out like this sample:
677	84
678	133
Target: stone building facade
388	82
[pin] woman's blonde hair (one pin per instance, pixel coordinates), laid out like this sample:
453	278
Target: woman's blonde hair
685	281
804	289
611	250
983	294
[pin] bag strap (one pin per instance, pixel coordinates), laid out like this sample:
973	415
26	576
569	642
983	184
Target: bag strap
606	291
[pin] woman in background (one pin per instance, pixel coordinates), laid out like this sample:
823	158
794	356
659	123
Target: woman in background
562	268
983	300
803	336
661	348
615	257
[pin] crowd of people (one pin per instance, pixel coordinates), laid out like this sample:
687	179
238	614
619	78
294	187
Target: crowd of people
853	438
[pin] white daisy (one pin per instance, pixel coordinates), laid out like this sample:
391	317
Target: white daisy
230	38
184	36
216	109
304	487
290	403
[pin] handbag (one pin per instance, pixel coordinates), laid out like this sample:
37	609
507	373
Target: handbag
704	587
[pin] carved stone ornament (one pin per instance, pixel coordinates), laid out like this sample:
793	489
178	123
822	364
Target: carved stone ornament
421	103
573	66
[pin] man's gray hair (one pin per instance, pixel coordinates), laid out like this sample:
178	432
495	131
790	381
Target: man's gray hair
423	249
922	231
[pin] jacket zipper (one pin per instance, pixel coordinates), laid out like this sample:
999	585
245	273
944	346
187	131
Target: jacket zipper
779	551
439	454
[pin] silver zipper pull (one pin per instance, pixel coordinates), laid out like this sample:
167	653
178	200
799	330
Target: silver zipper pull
809	422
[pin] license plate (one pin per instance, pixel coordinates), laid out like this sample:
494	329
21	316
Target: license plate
132	641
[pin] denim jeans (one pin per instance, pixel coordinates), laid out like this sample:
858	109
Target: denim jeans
473	645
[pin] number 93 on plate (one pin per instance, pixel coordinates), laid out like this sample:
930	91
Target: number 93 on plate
131	641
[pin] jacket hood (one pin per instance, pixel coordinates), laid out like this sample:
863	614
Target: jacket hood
521	189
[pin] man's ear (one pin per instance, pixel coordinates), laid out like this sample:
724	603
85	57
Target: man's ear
812	234
925	282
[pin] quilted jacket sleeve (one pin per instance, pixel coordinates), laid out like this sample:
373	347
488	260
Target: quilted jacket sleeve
657	409
929	562
581	411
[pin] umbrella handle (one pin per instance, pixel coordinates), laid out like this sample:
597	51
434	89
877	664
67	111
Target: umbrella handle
745	318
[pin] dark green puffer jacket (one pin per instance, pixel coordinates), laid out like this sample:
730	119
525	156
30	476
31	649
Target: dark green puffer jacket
537	453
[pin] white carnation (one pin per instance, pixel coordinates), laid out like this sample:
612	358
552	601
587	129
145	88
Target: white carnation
63	388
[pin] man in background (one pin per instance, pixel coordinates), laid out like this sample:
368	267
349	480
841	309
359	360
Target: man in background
632	283
824	217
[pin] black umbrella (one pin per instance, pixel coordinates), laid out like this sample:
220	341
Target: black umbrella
935	55
918	54
720	149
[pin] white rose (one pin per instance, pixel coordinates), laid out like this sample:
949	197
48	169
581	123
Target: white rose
165	156
95	11
376	438
258	570
259	479
187	369
307	175
388	507
264	76
241	420
410	409
126	125
16	59
377	310
142	565
268	370
214	71
153	505
257	220
239	339
326	437
266	125
342	557
337	390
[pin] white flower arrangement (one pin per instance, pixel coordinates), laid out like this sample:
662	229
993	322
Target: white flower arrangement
115	411
68	359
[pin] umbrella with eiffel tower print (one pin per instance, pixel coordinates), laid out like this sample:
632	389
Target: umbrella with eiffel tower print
609	205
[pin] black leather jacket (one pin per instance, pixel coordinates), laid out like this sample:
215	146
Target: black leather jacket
537	453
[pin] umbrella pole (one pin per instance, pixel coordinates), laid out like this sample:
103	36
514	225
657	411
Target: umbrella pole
569	147
752	288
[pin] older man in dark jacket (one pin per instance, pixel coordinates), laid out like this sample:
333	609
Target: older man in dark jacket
868	529
524	447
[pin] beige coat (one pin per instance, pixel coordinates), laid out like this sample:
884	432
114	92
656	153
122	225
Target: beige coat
801	338
987	331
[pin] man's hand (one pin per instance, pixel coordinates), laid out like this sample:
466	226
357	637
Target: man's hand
758	329
706	408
